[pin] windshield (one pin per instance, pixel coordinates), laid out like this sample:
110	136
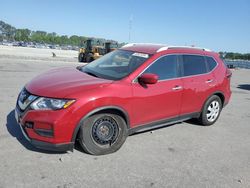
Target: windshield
115	65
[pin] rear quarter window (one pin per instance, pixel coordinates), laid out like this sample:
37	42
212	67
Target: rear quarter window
211	63
194	65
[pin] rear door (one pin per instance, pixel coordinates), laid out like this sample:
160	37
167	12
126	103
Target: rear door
161	100
197	83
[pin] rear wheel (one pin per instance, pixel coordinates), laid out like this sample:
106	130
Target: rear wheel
102	133
211	111
89	58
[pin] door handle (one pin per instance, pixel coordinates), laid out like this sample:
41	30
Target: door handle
177	88
209	81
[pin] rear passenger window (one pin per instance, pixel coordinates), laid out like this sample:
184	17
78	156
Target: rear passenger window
165	67
211	63
193	65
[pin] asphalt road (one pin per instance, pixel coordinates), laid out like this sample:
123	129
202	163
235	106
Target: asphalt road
181	155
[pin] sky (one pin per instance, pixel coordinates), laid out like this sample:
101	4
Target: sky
221	25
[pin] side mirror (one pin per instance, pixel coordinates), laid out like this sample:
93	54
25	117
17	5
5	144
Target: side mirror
148	78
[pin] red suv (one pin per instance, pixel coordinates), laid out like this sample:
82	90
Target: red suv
132	89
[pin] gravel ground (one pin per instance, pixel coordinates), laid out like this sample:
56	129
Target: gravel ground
181	155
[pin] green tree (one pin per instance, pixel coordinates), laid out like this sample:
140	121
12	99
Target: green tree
74	40
22	35
38	36
64	40
7	31
51	38
10	33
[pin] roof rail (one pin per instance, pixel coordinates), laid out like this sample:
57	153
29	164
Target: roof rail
134	44
128	45
189	47
166	47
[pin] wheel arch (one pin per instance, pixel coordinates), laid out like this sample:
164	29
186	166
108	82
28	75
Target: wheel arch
217	93
221	95
106	109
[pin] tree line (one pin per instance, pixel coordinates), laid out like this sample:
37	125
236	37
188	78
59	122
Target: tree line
235	56
10	33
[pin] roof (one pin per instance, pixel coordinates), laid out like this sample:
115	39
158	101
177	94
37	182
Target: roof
154	48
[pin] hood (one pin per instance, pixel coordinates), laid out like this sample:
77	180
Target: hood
64	82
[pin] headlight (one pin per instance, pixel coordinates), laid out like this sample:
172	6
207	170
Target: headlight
50	104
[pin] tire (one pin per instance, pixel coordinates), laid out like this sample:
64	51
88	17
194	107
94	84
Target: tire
211	111
81	57
89	58
102	133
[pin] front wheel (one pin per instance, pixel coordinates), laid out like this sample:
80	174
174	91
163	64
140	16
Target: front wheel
103	133
81	57
211	111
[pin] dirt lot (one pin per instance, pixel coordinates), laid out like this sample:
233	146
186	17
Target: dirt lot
181	155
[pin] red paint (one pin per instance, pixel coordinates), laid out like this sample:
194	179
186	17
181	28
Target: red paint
148	79
142	104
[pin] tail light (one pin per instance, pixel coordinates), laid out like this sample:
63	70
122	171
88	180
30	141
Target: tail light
228	73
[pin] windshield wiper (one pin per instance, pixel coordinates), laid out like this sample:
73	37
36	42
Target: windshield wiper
92	74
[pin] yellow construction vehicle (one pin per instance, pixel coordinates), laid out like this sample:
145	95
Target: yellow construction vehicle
91	53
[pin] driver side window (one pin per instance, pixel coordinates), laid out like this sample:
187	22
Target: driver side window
166	67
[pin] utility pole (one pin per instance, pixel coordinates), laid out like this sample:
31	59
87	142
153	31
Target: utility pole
130	27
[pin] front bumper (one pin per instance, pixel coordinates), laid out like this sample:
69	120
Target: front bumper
41	144
52	147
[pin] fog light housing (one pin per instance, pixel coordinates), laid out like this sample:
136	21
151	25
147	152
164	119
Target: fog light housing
29	124
44	132
44	129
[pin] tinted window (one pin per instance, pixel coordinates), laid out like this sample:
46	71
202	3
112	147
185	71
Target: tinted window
211	63
193	65
165	67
